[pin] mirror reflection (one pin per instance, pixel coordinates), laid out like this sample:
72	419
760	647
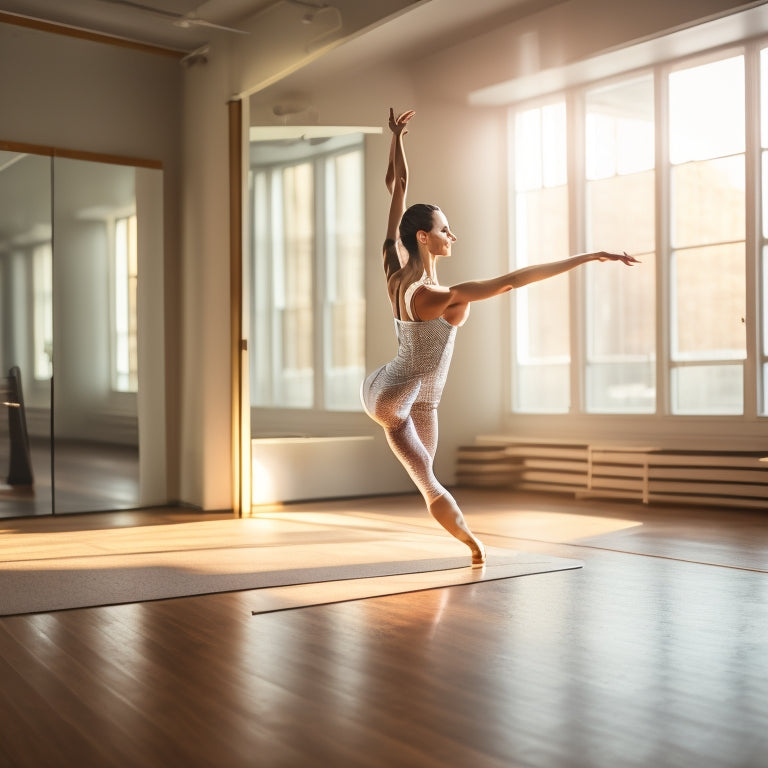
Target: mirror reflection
26	339
95	371
81	342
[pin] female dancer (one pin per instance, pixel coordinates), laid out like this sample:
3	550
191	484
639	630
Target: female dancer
403	395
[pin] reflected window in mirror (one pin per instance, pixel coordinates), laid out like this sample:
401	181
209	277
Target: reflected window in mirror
307	267
42	322
124	312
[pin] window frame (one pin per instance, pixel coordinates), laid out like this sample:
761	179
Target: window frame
270	420
755	363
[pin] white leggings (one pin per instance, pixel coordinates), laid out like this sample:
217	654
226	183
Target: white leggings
410	426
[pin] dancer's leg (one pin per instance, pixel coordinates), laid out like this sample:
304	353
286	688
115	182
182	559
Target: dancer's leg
424	416
405	444
414	444
415	457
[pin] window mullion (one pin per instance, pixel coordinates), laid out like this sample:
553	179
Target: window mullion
664	298
276	280
319	308
753	384
576	241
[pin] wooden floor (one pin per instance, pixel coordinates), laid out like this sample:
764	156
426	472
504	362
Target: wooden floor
655	654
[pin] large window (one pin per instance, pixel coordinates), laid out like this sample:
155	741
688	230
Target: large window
657	167
542	341
308	306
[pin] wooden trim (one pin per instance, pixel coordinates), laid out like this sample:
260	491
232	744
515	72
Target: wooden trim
236	296
76	154
84	34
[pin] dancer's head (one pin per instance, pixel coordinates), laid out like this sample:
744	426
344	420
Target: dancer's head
418	218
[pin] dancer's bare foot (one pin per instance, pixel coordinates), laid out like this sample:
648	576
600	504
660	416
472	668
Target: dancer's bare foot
446	511
478	555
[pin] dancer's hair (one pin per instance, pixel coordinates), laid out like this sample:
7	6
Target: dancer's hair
417	218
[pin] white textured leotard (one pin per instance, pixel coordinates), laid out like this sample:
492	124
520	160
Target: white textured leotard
403	395
410	292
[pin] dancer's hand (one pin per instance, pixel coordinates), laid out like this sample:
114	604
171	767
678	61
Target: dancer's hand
397	124
624	258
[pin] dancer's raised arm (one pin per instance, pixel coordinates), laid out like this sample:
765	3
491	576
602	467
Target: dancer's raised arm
397	181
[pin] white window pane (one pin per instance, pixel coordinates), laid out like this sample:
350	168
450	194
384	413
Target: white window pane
706	110
295	377
125	313
542	317
543	320
765	194
345	289
764	367
555	160
625	386
541	223
542	323
708	390
621	336
261	295
709	303
708	202
542	388
42	286
528	150
765	301
540	147
621	309
764	412
295	372
609	226
620	129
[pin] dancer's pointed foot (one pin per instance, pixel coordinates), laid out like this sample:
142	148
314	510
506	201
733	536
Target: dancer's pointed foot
478	556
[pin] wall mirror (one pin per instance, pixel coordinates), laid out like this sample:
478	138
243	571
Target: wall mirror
82	426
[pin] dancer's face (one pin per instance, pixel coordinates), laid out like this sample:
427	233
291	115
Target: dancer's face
440	238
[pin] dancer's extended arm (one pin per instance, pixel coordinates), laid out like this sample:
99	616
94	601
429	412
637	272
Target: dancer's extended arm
433	302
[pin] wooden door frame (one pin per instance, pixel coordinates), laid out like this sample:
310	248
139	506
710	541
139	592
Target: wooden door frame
240	401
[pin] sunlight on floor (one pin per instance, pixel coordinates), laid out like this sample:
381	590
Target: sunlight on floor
552	526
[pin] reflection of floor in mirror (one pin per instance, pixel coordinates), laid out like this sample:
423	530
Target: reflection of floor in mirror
89	477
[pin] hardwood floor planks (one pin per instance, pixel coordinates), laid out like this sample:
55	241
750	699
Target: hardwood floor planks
654	655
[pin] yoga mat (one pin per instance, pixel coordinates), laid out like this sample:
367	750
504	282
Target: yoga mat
49	570
501	564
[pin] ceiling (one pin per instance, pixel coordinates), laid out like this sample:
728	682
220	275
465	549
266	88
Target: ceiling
177	24
186	25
